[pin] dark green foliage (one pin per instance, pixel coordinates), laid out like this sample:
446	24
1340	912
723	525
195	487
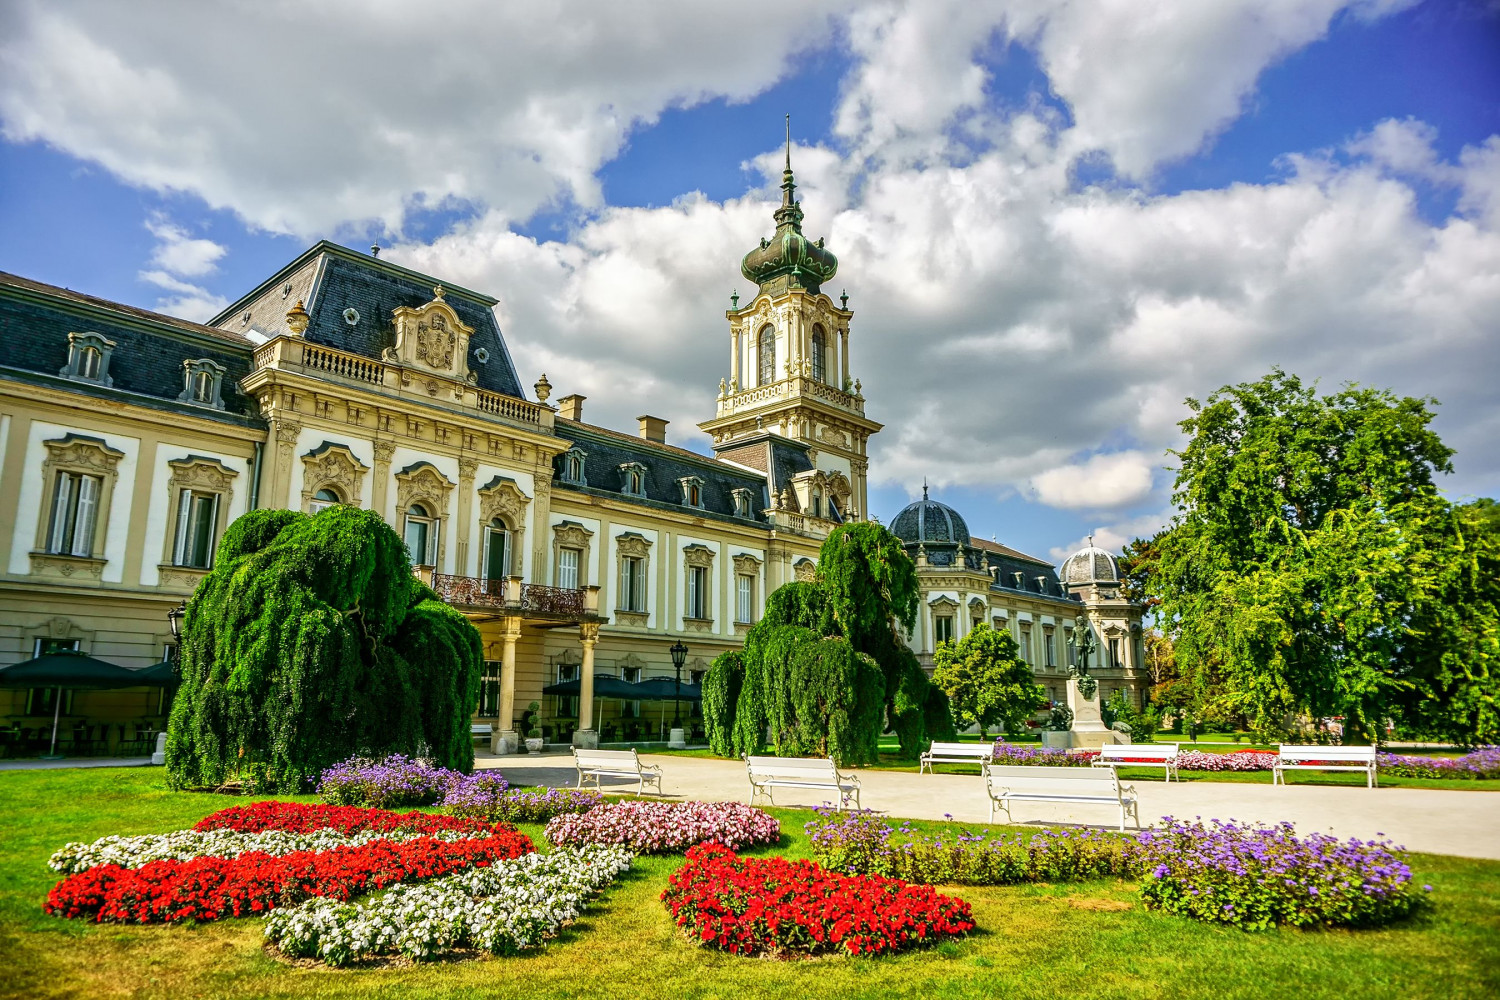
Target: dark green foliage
310	642
986	680
838	697
867	581
721	693
1313	569
791	734
801	604
937	716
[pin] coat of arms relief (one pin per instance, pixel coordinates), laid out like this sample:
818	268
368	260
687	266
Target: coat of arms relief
432	336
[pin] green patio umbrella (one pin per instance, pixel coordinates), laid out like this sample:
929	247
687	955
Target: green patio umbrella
67	670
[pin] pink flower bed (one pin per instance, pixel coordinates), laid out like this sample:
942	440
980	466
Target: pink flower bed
1240	760
665	827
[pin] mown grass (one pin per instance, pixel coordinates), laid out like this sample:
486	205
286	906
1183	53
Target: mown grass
1090	940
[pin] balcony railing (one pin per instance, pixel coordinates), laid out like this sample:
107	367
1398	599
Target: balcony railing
795	385
503	595
320	361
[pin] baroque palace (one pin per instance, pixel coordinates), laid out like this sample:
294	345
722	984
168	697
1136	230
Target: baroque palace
129	440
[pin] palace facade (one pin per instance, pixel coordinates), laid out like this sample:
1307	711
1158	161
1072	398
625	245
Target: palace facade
129	440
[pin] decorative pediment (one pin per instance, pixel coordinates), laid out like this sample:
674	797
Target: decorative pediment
79	452
571	534
805	570
746	564
943	603
630	661
502	498
334	467
432	336
422	483
195	472
698	555
977	606
632	544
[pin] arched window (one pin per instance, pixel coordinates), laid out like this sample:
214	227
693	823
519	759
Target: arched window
323	499
496	552
421	535
89	362
766	353
819	355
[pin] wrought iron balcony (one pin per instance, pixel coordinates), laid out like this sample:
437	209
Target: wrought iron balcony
512	597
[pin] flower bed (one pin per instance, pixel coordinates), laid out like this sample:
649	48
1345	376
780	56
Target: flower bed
508	907
1240	760
860	843
1014	753
379	849
1256	877
771	906
478	798
665	827
393	781
1481	763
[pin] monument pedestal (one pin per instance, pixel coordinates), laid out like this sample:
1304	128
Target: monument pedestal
586	739
1089	731
676	740
506	741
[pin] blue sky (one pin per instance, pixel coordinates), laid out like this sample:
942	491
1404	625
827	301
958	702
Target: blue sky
1002	212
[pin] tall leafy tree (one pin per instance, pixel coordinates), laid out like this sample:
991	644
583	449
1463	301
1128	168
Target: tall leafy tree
986	680
309	642
1303	554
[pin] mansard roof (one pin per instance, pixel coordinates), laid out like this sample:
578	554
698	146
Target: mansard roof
350	298
147	360
665	466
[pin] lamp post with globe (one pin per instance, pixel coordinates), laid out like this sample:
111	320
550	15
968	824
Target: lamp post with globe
676	740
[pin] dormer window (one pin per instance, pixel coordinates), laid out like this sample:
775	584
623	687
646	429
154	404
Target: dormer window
692	491
633	479
572	471
743	499
202	382
88	358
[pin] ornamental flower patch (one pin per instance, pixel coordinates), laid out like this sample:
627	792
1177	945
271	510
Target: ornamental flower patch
790	909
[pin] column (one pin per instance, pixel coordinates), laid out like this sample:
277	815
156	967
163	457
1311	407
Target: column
585	736
844	355
734	356
504	739
380	482
467	468
276	491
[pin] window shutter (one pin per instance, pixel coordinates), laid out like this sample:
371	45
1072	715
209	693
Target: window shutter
61	503
88	507
213	531
184	527
625	598
432	555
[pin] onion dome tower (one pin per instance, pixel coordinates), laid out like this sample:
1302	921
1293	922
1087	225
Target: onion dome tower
789	388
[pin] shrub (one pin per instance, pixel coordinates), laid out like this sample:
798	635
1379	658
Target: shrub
665	827
394	781
1256	877
771	906
721	691
859	843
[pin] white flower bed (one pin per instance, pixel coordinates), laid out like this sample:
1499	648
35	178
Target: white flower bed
184	845
506	908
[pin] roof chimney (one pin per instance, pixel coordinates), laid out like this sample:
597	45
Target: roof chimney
653	428
571	407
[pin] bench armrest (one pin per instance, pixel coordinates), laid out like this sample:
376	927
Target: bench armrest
651	767
853	779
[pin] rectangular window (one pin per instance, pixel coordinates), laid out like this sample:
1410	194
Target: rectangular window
1049	643
44	646
568	704
1114	653
1026	645
567	568
697	592
744	598
75	506
942	628
1072	649
632	583
489	689
197	525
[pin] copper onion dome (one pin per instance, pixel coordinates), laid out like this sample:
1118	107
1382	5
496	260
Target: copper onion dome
789	259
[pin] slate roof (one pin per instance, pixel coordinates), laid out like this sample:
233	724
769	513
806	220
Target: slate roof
330	279
150	348
665	464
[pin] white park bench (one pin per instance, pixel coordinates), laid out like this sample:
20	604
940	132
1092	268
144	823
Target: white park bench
1162	755
956	753
481	731
1314	758
1007	783
767	773
595	764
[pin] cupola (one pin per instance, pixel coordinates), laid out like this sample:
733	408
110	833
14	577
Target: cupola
789	259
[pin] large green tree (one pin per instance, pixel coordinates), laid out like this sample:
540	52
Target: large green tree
1310	556
309	642
986	681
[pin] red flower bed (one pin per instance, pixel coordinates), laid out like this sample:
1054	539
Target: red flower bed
300	817
750	906
210	888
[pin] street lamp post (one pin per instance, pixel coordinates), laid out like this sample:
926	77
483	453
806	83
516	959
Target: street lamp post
679	653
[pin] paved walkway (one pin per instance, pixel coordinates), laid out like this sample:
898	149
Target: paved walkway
37	764
1422	819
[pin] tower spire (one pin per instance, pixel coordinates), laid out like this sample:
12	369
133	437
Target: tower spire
788	186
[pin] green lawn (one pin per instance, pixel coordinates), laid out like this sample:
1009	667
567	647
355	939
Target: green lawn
1088	941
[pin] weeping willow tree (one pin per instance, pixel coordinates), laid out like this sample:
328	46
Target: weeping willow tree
309	642
824	667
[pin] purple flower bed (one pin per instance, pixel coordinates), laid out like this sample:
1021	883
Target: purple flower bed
477	795
470	798
860	843
665	827
1480	763
385	784
1016	753
1256	877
